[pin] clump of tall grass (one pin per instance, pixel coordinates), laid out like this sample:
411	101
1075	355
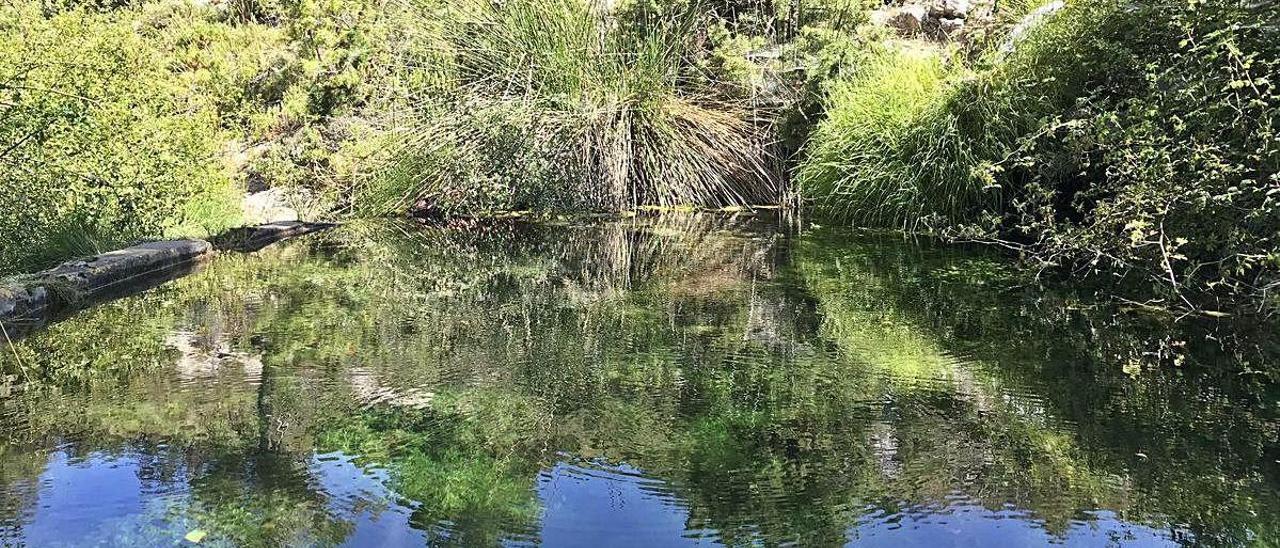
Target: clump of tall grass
1136	139
918	138
872	160
557	103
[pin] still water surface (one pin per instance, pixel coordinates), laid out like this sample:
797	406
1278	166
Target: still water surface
692	380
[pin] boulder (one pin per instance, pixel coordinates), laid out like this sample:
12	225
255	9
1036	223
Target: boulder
907	20
949	9
268	206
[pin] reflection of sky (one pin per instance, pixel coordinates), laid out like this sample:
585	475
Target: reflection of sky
361	496
100	500
590	506
76	498
610	507
980	527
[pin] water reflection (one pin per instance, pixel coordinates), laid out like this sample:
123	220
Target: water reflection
680	380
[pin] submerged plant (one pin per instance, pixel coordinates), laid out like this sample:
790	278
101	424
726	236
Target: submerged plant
558	103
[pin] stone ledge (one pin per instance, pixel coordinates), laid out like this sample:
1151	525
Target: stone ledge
84	277
79	283
23	308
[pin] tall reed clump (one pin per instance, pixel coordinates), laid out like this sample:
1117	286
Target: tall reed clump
871	161
558	104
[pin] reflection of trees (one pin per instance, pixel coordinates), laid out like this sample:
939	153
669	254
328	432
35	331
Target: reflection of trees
20	471
778	400
1185	442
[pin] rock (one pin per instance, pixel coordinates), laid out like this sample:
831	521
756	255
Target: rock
951	9
85	277
1029	22
268	206
82	282
79	283
907	20
22	308
950	27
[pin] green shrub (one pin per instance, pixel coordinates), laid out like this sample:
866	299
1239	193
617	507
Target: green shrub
867	161
1133	139
97	145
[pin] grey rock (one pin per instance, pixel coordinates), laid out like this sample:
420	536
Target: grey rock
906	20
21	306
951	9
950	27
1030	21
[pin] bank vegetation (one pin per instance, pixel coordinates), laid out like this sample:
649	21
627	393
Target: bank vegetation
1131	143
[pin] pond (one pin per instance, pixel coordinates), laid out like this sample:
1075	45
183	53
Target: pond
692	379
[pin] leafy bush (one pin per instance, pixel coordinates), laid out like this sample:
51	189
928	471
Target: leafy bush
286	77
97	145
1136	139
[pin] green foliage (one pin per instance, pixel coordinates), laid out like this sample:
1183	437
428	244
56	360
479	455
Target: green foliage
129	120
286	78
875	159
98	145
1133	139
551	104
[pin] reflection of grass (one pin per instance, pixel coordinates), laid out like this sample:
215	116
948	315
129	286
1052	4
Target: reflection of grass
767	439
868	329
979	442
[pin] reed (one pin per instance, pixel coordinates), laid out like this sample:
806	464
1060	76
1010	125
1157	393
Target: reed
557	103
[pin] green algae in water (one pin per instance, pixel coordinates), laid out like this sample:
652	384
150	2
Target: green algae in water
689	379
